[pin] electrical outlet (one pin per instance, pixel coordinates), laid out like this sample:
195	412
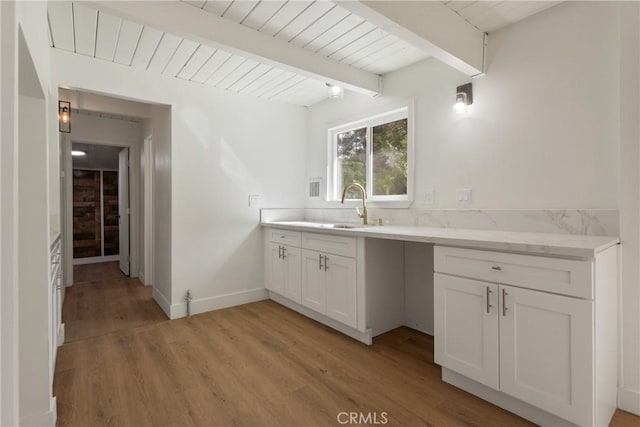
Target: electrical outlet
463	196
428	196
254	200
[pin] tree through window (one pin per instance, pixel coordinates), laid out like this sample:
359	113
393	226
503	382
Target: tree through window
374	153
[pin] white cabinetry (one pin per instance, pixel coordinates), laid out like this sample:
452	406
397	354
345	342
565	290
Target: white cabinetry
329	276
317	271
282	264
466	327
538	347
329	285
546	352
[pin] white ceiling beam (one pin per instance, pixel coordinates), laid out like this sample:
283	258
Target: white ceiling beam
429	25
186	21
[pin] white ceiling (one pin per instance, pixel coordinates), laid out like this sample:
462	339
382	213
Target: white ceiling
319	26
489	16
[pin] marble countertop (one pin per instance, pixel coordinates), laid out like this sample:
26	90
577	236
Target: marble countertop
570	245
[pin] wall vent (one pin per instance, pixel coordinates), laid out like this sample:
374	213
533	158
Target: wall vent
314	188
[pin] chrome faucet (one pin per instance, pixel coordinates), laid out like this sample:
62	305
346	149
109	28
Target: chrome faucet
362	214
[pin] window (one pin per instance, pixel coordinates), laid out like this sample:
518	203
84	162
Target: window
374	152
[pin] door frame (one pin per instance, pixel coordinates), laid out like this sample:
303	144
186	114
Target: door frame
124	212
146	163
137	219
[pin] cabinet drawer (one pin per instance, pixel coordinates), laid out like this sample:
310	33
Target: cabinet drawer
338	245
561	276
285	237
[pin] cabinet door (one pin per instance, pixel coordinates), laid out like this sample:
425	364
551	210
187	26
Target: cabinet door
275	269
292	286
313	289
341	289
546	352
466	327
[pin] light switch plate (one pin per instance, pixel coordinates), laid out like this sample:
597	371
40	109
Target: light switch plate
428	196
463	196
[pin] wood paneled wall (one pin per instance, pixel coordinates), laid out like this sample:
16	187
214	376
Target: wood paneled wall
87	215
110	200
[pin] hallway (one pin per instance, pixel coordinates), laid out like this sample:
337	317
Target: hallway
103	300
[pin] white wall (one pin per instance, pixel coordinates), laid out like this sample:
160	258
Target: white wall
554	125
543	130
96	129
629	191
224	146
162	206
25	401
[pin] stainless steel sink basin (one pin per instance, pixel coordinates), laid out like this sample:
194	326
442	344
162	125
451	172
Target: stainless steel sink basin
345	226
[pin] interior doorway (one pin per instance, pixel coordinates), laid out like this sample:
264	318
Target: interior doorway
100	204
103	185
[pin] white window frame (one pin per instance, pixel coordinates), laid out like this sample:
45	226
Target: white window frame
334	193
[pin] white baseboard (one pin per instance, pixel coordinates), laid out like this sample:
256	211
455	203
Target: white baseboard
363	337
47	418
96	259
629	400
162	301
204	305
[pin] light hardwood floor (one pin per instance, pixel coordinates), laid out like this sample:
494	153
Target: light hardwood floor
259	364
103	300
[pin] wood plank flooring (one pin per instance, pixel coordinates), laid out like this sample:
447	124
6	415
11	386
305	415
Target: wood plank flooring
103	300
260	364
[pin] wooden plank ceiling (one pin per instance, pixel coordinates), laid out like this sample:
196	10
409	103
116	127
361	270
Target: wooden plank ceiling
319	26
489	16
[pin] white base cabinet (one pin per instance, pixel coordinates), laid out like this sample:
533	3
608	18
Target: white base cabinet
546	352
466	327
284	271
329	285
320	275
535	346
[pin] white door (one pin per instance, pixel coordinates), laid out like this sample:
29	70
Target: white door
546	352
275	269
341	289
292	273
466	327
123	209
313	278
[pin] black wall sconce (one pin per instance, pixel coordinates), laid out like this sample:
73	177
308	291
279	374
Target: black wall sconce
64	116
464	97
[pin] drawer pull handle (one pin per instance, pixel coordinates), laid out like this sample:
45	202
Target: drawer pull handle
279	251
504	303
320	262
496	268
489	300
326	263
283	237
283	252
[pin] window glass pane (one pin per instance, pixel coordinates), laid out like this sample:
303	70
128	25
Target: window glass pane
389	165
351	154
